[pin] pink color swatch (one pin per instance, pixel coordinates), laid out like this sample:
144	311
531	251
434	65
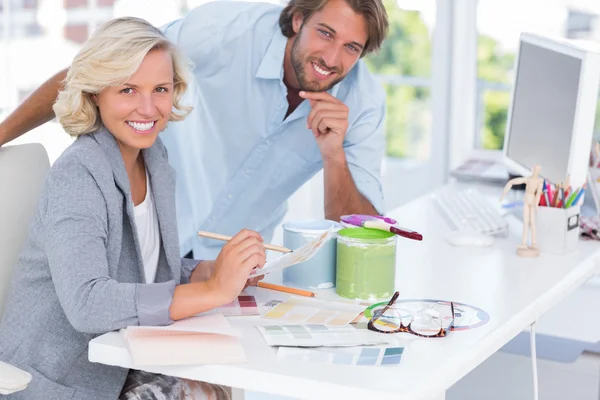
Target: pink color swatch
243	305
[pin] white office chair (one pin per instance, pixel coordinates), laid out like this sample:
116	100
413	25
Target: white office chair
23	170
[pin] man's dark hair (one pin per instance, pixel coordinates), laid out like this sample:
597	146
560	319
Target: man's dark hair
372	10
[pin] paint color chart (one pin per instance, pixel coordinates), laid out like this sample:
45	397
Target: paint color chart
314	311
297	256
366	356
314	335
243	305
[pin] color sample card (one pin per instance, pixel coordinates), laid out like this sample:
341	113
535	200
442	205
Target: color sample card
243	305
297	256
366	356
314	311
315	335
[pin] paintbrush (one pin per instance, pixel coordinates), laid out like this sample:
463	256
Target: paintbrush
381	223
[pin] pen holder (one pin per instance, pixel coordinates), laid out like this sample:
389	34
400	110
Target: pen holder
557	229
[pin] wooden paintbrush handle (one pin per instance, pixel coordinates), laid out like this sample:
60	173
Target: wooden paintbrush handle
407	234
218	236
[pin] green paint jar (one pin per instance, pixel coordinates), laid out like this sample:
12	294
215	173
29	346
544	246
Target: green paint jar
366	263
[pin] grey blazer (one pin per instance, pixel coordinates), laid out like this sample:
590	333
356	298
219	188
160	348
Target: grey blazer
80	271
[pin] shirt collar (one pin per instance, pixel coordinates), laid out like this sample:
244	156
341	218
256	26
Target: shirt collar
271	66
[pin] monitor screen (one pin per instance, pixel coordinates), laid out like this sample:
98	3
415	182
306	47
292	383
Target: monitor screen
543	110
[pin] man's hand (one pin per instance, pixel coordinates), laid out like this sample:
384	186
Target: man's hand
3	139
328	120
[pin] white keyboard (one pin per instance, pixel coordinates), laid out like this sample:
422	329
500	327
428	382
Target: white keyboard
469	210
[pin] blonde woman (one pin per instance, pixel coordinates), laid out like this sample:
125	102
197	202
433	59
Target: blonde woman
102	251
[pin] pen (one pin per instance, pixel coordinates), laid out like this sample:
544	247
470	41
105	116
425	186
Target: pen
571	199
578	196
285	289
545	190
558	195
561	200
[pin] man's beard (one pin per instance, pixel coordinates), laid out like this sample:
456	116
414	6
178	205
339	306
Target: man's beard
298	63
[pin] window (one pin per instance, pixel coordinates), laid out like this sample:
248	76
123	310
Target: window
53	30
404	67
498	43
30	3
76	32
76	3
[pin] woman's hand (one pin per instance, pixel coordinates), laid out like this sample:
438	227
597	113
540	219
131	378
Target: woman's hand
203	271
254	281
235	262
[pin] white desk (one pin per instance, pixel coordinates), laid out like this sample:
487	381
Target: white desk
514	291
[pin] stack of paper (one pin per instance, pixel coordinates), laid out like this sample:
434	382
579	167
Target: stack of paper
205	339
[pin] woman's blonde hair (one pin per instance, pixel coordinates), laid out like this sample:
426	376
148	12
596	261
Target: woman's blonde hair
109	58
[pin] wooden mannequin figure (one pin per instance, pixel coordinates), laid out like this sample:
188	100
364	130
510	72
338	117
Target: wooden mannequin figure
533	192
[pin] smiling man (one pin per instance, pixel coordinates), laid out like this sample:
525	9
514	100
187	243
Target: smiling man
279	94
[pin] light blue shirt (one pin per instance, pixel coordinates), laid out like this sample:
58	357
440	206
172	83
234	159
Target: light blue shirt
237	159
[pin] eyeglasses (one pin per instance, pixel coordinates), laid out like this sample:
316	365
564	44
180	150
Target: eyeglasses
427	322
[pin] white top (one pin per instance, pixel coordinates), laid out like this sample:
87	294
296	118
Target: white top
514	290
146	222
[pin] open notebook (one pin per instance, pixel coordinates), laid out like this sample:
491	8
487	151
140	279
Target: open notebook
207	339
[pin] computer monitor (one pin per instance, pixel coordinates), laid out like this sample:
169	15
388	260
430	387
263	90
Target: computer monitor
553	107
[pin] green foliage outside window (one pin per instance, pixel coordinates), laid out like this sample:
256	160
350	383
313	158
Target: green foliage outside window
406	52
494	65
